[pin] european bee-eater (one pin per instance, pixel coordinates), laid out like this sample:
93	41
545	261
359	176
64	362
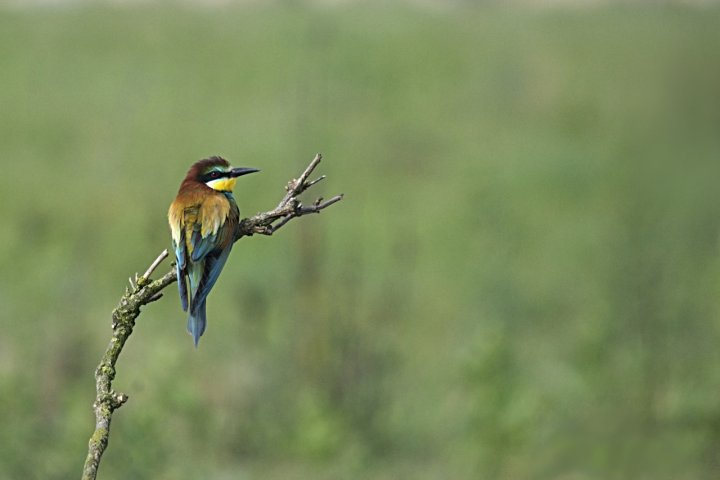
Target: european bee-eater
203	221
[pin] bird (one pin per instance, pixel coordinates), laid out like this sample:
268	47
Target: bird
203	221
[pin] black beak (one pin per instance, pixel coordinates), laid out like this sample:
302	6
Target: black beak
237	172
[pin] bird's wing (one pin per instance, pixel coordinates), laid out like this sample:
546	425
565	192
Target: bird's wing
201	246
208	228
211	239
214	264
181	269
176	219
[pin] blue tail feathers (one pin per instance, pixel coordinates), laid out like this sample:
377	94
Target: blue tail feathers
196	322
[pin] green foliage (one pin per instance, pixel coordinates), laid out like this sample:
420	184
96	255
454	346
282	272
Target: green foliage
522	281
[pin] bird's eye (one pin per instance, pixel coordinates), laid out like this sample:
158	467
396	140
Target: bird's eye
215	174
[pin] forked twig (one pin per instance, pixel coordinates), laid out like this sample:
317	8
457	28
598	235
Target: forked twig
289	207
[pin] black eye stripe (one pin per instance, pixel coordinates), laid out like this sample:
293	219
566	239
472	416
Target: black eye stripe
214	175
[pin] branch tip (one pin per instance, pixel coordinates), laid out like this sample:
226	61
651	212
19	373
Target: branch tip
163	255
319	179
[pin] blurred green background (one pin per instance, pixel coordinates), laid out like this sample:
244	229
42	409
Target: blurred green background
521	283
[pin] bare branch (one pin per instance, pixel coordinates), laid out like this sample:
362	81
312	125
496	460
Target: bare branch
297	186
107	400
320	178
145	291
288	208
299	211
163	255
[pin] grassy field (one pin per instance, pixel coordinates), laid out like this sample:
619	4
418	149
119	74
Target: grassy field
523	281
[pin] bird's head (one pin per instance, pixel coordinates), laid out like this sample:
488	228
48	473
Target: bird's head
217	173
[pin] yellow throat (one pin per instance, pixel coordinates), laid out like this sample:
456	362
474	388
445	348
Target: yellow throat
222	184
